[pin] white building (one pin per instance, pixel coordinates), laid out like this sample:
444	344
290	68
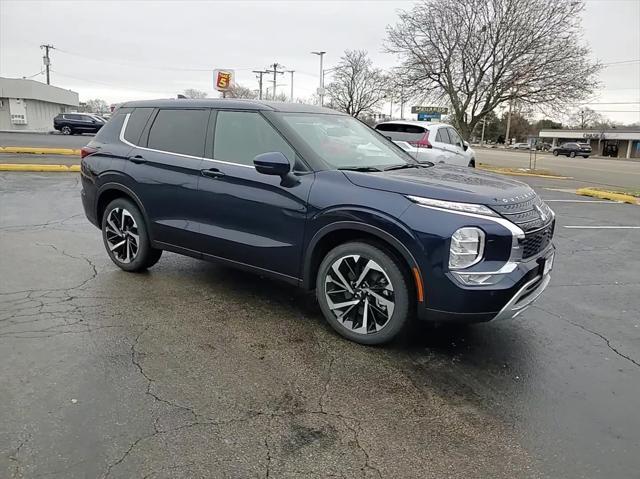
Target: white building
29	105
622	142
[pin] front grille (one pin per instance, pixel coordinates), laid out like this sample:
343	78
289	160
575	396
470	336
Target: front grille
536	241
527	214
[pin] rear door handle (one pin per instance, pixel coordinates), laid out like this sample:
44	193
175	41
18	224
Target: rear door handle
138	159
212	173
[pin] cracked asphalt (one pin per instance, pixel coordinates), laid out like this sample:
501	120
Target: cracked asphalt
192	370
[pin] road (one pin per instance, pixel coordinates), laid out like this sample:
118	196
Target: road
614	173
194	370
44	140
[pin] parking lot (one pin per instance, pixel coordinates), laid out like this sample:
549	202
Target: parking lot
194	370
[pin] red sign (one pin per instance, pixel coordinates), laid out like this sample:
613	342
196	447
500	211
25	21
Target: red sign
222	79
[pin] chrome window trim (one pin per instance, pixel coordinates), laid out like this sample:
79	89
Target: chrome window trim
127	142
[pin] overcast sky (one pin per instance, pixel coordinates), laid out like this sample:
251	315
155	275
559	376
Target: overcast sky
148	49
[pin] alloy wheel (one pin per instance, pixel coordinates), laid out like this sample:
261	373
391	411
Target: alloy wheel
122	235
359	293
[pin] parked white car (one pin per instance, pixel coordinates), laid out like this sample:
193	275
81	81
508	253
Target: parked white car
429	142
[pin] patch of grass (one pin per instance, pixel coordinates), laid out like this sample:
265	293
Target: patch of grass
520	171
631	196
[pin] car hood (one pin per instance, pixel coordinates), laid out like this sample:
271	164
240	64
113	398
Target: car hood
446	182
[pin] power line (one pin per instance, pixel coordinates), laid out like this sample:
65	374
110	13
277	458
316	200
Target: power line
621	62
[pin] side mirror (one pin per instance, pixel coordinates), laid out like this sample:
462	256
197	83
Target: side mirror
465	145
272	163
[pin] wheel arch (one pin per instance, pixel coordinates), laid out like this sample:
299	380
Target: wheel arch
111	191
341	232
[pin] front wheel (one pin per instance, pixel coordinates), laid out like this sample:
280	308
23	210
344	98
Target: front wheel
572	154
66	130
472	164
555	152
125	237
585	156
363	293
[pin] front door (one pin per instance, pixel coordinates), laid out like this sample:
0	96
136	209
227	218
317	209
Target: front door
165	163
248	217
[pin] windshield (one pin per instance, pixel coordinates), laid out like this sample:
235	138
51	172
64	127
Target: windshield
345	143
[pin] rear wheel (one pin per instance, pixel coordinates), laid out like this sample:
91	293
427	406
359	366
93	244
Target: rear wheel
66	130
585	156
363	293
555	152
572	154
125	237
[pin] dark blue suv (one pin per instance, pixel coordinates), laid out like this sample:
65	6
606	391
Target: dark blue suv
316	198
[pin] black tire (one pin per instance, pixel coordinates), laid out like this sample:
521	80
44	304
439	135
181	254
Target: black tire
66	130
585	156
572	154
555	152
384	327
131	224
472	163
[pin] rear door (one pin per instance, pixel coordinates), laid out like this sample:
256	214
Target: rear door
248	217
165	163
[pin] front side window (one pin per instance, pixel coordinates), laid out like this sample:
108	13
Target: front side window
455	138
344	142
443	136
242	135
179	131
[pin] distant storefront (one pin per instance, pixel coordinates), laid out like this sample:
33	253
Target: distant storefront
29	105
615	142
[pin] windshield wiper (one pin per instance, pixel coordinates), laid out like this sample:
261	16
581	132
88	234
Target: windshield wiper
360	168
406	165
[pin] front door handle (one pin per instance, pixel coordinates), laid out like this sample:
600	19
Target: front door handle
212	173
138	159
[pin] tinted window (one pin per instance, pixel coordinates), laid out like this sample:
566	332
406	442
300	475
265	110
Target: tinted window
443	135
179	131
137	121
111	130
240	136
70	116
387	127
455	138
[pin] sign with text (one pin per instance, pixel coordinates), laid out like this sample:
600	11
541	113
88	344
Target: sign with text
430	109
428	116
222	79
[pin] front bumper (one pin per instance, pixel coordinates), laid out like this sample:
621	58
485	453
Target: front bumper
524	297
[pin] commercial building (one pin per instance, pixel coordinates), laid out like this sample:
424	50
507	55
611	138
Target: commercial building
623	142
29	105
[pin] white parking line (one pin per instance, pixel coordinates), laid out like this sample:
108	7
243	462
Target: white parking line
604	227
584	201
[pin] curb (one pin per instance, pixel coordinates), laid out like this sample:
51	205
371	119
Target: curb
45	168
515	173
39	151
608	195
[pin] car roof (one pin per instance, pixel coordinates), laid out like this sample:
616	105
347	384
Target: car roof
231	104
424	124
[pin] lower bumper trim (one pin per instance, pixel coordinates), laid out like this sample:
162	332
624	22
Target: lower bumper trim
524	297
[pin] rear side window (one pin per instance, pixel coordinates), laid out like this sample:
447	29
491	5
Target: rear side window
241	136
137	121
72	117
179	131
109	132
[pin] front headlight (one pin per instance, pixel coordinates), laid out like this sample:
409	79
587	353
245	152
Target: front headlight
467	247
452	205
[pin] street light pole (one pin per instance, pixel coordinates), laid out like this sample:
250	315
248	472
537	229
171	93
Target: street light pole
321	88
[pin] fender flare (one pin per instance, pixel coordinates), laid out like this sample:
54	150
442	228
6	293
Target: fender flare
307	279
124	189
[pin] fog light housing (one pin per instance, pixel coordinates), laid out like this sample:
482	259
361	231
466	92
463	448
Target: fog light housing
476	279
467	248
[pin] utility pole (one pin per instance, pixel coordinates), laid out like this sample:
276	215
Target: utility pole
506	138
259	77
292	72
321	87
276	72
47	60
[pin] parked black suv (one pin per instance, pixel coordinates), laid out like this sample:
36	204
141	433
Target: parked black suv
572	149
274	188
77	123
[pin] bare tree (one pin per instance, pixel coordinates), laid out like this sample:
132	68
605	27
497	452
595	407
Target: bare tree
357	86
477	55
193	93
586	118
239	91
96	106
